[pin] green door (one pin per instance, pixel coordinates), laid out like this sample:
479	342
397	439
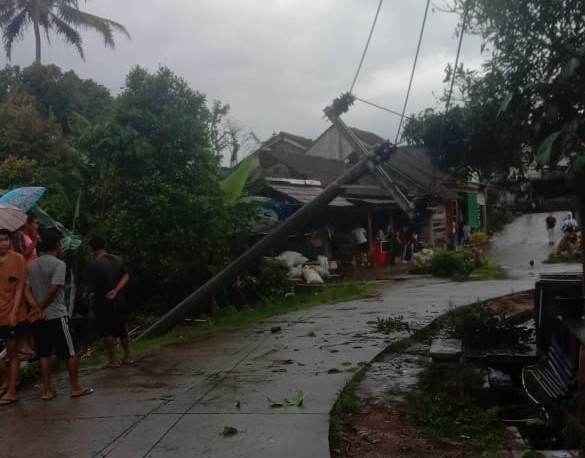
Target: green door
472	210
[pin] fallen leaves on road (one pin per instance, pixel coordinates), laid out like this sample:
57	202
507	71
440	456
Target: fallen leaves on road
229	431
295	401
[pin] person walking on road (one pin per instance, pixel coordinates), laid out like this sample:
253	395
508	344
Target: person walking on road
107	279
45	292
551	222
12	314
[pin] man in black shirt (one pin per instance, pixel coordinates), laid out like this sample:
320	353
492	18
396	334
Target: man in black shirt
107	278
551	222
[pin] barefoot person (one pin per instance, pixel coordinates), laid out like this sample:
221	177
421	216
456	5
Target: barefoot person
12	314
45	292
107	278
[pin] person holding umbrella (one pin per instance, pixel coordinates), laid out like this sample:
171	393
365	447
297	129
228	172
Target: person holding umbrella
26	239
12	313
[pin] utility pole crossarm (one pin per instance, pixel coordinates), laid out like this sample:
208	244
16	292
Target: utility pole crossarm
333	111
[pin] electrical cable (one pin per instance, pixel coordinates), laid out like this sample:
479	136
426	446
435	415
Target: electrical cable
381	107
366	47
449	95
420	37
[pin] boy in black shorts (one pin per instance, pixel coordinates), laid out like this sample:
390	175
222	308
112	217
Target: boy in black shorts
12	314
107	279
45	281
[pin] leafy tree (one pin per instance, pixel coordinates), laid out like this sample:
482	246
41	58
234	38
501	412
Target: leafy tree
539	48
474	137
19	171
63	95
63	17
24	132
34	151
153	183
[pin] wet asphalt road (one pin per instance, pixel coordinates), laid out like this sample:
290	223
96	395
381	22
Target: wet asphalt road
177	401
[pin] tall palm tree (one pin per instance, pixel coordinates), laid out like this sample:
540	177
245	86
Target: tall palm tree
62	17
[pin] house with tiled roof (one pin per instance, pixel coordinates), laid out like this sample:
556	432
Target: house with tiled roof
296	170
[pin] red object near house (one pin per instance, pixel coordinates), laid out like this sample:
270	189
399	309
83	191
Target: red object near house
379	253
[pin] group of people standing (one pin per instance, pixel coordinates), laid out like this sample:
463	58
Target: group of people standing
33	310
568	226
401	243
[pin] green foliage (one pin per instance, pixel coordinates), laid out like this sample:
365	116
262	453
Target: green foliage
473	137
24	132
479	329
295	401
234	183
271	281
498	217
19	171
57	16
229	431
538	47
392	325
442	416
478	238
451	264
562	258
486	269
155	191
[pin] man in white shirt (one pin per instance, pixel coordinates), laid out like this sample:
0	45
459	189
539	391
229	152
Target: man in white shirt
360	238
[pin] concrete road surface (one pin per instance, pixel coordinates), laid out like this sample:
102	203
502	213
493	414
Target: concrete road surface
177	401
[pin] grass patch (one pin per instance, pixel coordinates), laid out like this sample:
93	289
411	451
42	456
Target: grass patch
488	270
230	319
347	404
444	416
562	259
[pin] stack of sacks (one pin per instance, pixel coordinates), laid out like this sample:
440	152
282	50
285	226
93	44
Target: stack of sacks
293	261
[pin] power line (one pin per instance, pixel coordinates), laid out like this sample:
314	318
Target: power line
422	29
366	47
381	107
449	95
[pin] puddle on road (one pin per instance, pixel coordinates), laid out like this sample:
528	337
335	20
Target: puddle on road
392	377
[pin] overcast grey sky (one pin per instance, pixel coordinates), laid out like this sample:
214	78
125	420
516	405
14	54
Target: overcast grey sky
278	63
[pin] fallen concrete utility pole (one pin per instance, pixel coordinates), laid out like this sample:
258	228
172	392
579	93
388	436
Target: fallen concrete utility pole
197	301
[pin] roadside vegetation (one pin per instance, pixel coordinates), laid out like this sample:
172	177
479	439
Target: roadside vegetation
445	413
465	264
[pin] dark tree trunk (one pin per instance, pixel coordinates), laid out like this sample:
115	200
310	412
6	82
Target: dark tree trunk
37	29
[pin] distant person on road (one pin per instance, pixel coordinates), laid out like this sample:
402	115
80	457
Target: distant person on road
551	223
45	292
360	238
569	225
107	279
12	314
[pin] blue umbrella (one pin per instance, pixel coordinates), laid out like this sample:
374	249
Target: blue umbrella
23	198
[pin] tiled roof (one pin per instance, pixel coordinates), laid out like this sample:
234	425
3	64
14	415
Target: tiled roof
304	194
410	168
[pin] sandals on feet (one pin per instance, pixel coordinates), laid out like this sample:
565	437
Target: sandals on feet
7	402
85	392
49	398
